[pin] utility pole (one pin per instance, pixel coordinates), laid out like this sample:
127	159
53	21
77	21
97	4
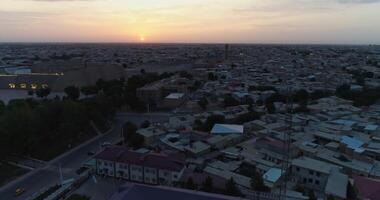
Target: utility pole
60	174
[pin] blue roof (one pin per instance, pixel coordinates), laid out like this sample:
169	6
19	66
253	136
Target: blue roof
344	122
371	127
351	142
272	175
225	129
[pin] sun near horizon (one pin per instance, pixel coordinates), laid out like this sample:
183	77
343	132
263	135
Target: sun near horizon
142	39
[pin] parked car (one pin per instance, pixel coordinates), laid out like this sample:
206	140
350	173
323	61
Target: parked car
19	191
106	144
90	153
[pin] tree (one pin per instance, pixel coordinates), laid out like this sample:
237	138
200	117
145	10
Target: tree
212	77
230	101
30	92
231	188
145	124
89	90
43	92
246	117
207	185
302	97
312	195
203	103
351	192
342	90
211	121
330	197
270	107
259	102
257	183
190	184
129	129
72	92
78	197
133	139
185	74
2	107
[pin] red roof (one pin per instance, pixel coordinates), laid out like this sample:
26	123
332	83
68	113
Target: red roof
368	188
153	160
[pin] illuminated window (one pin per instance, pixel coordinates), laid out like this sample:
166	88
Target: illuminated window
12	85
33	86
23	85
44	86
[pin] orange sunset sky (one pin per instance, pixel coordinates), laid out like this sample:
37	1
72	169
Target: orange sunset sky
203	21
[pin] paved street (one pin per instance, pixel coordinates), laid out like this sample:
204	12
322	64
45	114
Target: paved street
70	162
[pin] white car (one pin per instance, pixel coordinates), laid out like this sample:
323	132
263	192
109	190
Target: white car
106	144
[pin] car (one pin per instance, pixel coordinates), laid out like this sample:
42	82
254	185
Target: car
106	144
19	191
90	153
80	170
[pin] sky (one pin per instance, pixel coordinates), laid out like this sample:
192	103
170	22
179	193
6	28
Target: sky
191	21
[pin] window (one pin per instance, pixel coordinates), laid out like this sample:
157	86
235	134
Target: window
105	163
297	169
318	174
316	182
304	180
153	180
311	172
310	180
133	176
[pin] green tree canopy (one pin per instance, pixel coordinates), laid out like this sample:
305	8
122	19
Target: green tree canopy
72	92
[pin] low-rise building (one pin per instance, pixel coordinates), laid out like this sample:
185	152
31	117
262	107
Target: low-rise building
148	168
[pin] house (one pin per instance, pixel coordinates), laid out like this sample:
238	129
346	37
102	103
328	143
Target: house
197	148
148	168
312	173
182	121
336	185
173	100
150	134
227	129
368	188
218	141
272	177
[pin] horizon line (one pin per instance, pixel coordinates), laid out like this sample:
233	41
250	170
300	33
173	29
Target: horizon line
194	43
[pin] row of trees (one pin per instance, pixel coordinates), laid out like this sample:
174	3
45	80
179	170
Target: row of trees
257	184
365	97
207	186
28	127
131	138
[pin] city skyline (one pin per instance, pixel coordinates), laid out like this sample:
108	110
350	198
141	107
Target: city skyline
197	21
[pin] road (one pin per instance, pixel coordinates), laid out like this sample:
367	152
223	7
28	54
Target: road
48	176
